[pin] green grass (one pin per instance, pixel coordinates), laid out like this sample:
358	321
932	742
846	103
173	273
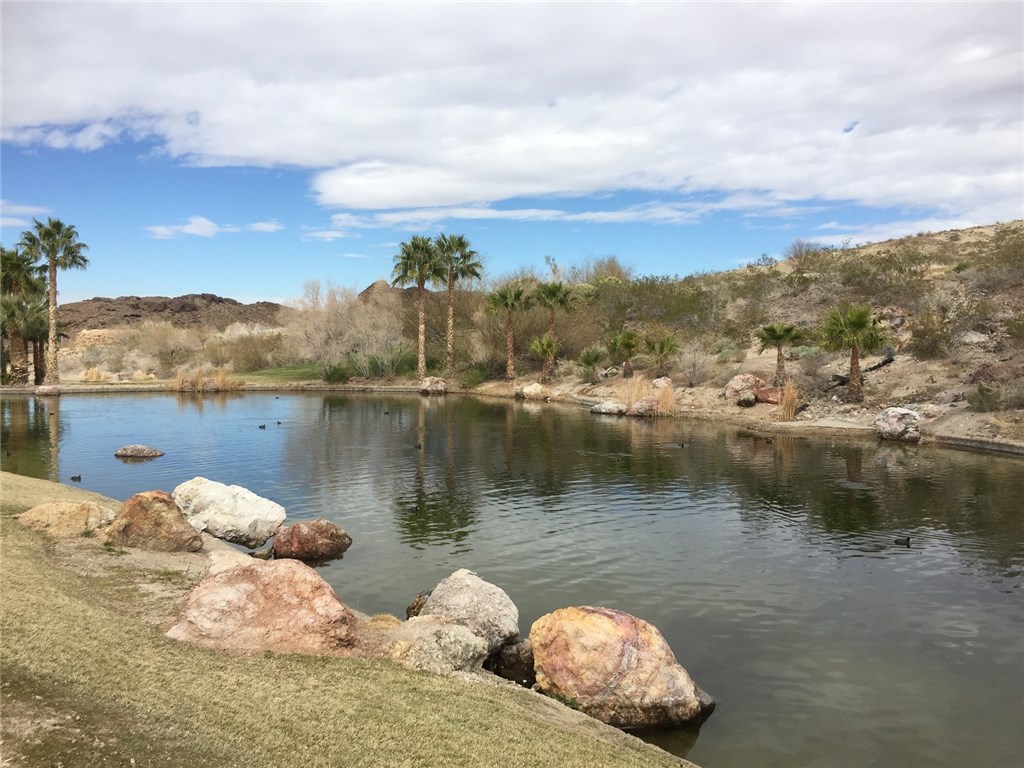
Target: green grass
284	375
112	688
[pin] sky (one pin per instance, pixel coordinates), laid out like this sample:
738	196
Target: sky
244	148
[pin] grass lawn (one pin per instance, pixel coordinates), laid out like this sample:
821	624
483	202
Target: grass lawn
86	682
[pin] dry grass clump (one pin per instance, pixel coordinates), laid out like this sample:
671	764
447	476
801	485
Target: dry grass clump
788	403
666	401
202	380
637	388
93	374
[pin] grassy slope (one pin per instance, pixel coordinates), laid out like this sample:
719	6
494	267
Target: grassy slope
85	682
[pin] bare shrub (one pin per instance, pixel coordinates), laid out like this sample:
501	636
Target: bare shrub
694	363
169	346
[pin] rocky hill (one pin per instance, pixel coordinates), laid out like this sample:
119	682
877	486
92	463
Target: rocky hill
194	310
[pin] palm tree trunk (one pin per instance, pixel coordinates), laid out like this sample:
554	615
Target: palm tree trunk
780	367
52	375
510	350
856	390
18	357
627	368
421	339
449	352
38	361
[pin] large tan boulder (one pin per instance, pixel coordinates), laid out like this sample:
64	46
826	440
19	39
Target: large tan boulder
742	384
152	520
615	667
484	608
280	605
67	519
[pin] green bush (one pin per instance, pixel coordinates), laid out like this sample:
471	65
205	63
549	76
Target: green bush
985	399
472	377
339	374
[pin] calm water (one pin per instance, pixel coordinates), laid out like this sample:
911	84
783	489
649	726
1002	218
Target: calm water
770	567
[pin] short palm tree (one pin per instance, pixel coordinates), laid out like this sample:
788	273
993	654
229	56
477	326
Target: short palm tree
546	347
854	328
508	301
459	262
662	348
778	336
58	245
624	344
589	359
418	263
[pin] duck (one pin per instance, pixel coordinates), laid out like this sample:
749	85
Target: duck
263	426
76	478
902	541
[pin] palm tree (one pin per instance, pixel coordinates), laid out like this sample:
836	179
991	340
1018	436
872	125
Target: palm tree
777	336
553	296
459	263
662	348
57	243
546	347
418	263
852	327
624	344
508	301
589	359
22	287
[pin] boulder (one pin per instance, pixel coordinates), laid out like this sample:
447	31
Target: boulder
315	541
662	382
67	519
747	399
535	391
229	512
433	385
515	662
152	520
485	609
137	452
435	644
898	424
740	383
771	395
614	667
612	407
645	406
281	605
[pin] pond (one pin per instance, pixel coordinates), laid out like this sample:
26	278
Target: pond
770	565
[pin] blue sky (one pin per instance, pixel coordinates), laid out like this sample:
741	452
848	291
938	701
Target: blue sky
244	148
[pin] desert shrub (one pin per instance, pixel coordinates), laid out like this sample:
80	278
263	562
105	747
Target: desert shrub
169	346
472	377
788	403
341	373
1015	331
694	363
932	337
93	374
986	398
254	351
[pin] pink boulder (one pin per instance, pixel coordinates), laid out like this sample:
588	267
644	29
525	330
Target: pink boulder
740	384
614	667
315	541
281	605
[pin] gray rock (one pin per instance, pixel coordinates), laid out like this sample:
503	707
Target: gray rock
898	424
229	512
611	407
137	452
645	406
433	385
485	609
435	644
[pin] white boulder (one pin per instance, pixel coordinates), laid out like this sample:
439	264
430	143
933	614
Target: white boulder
229	512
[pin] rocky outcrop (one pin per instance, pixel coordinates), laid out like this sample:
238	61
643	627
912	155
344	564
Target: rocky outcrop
67	519
610	407
281	605
152	520
898	424
137	452
316	541
485	609
615	667
741	384
433	385
435	644
645	406
229	512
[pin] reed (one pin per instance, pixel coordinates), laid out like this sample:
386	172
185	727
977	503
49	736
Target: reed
788	402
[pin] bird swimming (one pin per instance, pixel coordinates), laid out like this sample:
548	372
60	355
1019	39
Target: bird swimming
903	541
263	426
76	478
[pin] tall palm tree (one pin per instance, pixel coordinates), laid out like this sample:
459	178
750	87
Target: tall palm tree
508	301
854	328
624	344
418	264
459	263
22	287
777	336
57	243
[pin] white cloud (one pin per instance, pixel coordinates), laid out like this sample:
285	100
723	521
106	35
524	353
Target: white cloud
266	226
199	226
888	105
18	215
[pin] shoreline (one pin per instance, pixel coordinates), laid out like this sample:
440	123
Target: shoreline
755	419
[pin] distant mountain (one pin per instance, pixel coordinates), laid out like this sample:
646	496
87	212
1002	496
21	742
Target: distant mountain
191	311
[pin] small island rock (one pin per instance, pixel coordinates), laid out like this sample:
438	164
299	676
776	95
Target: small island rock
137	452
